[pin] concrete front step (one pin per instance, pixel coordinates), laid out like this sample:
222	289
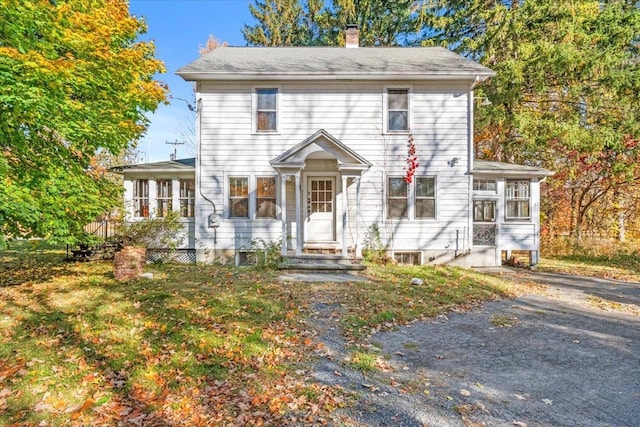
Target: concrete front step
321	264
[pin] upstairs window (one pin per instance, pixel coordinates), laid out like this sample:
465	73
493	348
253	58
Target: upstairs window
187	198
517	196
266	110
425	197
266	200
163	197
238	197
397	110
141	198
397	199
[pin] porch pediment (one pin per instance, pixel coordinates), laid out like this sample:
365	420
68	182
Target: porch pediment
321	145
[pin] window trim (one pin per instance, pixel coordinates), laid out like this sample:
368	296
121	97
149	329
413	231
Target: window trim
483	201
165	199
507	199
275	197
407	198
137	199
230	198
252	195
435	197
254	109
385	109
411	199
485	181
190	200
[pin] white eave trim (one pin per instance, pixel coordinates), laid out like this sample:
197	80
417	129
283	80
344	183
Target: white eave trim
511	174
202	76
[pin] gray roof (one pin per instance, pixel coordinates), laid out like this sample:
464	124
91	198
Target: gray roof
507	169
180	165
237	63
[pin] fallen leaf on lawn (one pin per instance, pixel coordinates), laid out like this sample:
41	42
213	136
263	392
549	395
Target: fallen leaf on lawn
547	401
370	387
465	393
519	397
519	424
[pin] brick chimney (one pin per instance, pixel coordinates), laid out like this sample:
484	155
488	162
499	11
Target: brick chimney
352	36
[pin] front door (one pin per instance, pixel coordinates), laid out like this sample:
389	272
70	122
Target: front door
319	224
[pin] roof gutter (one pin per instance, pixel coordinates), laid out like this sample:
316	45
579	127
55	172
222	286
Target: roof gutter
202	76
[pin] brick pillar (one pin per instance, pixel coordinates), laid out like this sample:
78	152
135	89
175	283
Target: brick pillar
128	263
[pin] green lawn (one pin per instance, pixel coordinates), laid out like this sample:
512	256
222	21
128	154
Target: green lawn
197	345
621	266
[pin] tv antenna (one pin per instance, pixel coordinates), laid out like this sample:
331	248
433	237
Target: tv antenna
175	144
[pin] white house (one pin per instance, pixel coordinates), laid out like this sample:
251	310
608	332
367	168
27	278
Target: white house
309	146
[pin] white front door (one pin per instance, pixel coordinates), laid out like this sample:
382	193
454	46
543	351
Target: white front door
319	224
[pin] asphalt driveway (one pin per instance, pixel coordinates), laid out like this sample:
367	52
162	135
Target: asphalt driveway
568	356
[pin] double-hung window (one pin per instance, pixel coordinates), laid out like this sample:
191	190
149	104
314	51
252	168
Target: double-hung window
414	200
187	198
266	197
141	198
239	197
397	198
397	110
425	197
266	109
517	199
163	197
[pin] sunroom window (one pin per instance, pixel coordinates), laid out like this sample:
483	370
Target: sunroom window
141	198
517	199
163	197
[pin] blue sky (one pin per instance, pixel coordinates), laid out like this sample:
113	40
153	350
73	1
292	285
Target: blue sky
179	28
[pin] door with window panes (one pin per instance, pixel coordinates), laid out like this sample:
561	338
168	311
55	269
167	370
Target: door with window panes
319	224
484	222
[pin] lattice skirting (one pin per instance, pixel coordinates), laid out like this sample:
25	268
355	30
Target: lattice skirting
183	256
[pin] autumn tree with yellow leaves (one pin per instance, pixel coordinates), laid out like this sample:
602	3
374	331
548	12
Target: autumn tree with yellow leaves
74	81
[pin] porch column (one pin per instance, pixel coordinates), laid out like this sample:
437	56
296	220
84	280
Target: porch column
283	212
298	216
344	216
357	243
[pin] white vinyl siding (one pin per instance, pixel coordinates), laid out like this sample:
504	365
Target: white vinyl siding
352	112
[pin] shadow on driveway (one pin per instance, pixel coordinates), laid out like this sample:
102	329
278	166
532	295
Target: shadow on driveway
550	359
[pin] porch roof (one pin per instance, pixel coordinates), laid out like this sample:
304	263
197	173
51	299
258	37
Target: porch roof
486	167
321	142
180	165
